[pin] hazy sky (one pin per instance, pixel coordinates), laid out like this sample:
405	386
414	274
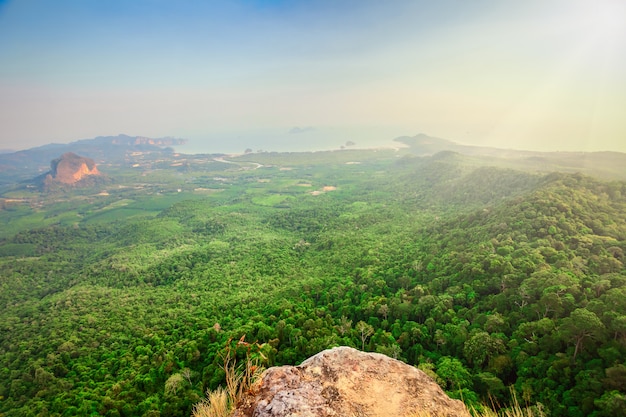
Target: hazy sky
548	75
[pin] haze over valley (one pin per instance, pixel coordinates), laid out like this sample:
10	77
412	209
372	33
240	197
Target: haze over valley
426	195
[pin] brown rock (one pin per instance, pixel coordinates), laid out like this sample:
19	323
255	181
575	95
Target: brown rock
346	382
71	168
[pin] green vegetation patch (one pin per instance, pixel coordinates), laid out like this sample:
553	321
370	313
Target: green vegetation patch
272	200
17	250
118	214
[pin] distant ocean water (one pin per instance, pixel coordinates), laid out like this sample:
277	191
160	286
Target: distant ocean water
297	139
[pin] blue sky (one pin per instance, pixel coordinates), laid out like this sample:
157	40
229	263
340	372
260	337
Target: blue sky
544	75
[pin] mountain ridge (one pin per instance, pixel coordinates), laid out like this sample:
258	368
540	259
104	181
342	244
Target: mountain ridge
120	149
27	163
604	164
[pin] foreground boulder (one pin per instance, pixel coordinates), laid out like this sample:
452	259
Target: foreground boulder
346	382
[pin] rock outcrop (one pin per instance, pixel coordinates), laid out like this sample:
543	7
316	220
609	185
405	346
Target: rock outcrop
346	382
70	169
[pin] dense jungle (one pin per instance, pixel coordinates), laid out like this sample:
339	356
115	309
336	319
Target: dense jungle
495	275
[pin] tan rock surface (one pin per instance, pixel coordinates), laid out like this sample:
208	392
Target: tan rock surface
71	168
346	382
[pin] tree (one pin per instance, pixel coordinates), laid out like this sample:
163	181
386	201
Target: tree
489	385
186	373
495	323
365	331
580	325
344	325
452	371
481	347
173	383
384	311
616	377
393	351
612	403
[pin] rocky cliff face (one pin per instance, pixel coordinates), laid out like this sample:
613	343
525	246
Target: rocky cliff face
346	382
71	168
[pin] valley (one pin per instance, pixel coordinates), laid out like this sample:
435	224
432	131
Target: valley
493	272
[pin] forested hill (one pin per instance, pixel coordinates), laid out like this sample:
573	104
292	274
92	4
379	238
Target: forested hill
608	165
121	303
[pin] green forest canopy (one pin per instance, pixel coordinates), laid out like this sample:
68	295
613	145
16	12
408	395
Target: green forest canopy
487	278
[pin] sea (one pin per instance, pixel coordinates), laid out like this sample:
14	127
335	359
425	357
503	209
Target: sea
296	139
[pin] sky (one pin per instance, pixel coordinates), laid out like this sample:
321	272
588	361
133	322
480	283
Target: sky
299	75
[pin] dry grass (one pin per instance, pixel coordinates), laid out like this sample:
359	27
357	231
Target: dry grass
488	412
240	380
515	410
214	405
